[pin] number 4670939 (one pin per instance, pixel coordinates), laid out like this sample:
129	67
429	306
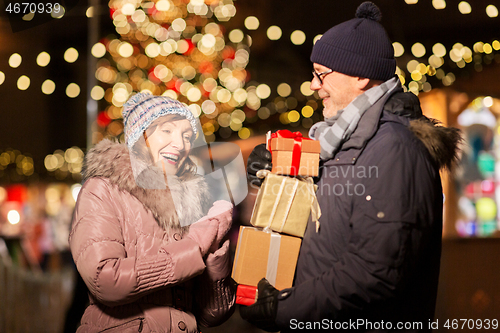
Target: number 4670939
31	7
471	324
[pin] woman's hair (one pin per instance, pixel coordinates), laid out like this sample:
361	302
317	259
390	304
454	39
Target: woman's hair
186	170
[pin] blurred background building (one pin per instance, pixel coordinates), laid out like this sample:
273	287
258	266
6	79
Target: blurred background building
243	68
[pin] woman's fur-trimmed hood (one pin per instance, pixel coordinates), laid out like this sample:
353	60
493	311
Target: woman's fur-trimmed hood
173	206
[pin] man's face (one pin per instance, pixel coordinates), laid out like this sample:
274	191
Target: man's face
337	90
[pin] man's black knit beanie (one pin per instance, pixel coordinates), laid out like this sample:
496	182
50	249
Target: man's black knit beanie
358	47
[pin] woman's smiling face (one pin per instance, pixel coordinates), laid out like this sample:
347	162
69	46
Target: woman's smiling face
170	143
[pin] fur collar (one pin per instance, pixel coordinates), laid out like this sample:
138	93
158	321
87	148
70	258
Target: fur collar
443	143
112	160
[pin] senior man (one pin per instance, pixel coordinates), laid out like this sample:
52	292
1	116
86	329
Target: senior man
373	264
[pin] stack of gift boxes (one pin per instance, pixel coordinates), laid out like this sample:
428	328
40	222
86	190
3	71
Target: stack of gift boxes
283	206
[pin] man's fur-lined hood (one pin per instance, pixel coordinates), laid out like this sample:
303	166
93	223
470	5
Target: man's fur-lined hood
443	143
183	201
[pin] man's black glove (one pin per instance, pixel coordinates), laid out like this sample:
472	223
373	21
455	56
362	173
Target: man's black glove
262	313
260	158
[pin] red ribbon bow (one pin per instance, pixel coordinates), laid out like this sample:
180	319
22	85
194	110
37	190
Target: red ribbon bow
297	147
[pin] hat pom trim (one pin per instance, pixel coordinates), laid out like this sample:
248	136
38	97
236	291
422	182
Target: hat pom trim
369	11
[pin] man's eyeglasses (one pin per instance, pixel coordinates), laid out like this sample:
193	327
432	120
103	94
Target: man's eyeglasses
319	75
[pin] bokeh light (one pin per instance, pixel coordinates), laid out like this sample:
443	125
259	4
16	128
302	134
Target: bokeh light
163	5
23	82
488	101
75	190
491	11
274	32
90	12
293	116
125	49
59	13
284	90
305	88
439	50
436	61
244	133
72	90
418	50
15	60
195	110
263	91
28	17
264	113
97	93
48	87
412	65
98	50
399	50
2	77
439	4
43	59
179	24
193	94
71	55
13	216
236	36
252	23
298	37
464	7
128	9
307	111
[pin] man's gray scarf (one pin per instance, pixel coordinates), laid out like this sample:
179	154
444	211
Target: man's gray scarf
334	131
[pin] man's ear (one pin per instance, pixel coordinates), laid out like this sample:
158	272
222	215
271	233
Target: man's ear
365	84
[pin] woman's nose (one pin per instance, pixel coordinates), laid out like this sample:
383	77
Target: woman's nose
177	141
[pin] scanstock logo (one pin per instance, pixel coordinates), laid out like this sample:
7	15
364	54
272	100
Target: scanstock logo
26	14
220	164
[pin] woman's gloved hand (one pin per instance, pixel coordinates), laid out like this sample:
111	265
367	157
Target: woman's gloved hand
210	229
260	158
222	211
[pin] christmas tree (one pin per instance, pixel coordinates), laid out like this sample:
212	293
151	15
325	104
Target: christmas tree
176	48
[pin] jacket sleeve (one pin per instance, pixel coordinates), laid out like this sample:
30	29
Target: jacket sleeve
216	291
97	246
385	243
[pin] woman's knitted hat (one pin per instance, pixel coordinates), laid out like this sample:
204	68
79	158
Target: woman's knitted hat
143	108
358	47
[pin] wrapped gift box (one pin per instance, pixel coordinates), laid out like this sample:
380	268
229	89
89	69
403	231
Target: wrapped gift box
284	204
265	254
246	295
296	156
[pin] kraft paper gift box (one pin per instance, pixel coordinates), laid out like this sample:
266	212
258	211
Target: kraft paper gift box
246	295
284	204
269	255
294	155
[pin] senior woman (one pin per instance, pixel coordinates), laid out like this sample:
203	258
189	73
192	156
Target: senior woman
148	267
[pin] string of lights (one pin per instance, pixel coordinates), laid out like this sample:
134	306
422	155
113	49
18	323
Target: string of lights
182	50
